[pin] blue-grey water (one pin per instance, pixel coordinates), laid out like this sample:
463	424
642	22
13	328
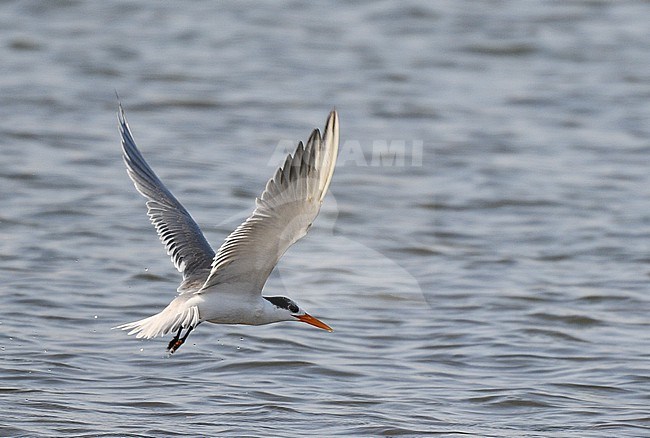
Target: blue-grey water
483	255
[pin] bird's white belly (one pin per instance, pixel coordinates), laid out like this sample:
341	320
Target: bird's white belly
220	308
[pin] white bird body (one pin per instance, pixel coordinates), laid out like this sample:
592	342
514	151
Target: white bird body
225	287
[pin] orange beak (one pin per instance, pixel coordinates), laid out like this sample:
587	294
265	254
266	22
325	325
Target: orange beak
315	322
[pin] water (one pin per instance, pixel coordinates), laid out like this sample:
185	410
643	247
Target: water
489	280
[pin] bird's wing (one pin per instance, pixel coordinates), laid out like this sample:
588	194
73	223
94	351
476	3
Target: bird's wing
283	214
182	237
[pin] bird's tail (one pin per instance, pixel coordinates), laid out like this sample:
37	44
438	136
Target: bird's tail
178	314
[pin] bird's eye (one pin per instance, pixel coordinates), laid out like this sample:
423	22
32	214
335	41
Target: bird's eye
293	308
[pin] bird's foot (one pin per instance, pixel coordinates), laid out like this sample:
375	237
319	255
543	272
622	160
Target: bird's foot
174	345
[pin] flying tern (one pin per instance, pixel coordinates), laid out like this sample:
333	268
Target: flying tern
226	287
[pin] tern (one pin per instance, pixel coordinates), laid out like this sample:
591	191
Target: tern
226	287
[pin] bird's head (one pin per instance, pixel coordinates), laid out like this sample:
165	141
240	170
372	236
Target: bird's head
287	309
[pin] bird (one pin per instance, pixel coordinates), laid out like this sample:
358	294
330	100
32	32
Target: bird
225	287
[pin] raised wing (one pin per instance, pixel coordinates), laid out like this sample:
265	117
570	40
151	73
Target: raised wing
283	214
182	237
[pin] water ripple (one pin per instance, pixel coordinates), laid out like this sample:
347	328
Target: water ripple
494	284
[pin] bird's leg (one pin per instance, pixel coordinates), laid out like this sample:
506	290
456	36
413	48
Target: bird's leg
176	343
175	340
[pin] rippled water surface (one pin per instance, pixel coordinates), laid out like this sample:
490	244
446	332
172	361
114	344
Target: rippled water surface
483	256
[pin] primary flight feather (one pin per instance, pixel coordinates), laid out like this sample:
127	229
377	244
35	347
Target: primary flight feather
225	287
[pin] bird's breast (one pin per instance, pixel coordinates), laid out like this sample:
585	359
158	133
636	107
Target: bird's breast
226	309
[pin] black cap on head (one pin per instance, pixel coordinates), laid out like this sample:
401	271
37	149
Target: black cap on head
284	303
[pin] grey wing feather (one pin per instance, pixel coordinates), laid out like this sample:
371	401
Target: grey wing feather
283	214
182	237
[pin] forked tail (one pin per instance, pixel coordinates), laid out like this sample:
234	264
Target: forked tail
175	316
